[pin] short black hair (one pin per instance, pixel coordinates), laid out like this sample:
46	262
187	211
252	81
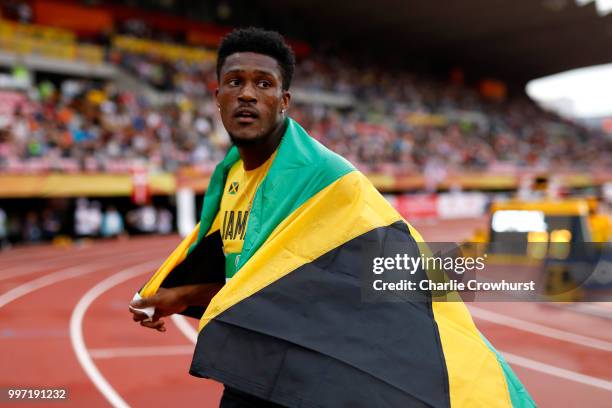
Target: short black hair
260	41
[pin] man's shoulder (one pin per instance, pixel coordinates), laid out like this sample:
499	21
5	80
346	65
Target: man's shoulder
308	152
331	162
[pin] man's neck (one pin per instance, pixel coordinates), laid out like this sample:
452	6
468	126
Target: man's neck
255	155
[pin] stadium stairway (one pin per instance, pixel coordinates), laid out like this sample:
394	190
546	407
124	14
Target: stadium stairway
130	82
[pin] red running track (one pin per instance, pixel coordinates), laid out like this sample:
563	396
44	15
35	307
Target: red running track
65	325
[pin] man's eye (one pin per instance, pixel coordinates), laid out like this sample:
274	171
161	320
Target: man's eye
233	82
264	84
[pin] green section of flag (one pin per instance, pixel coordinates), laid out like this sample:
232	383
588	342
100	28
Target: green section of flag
518	394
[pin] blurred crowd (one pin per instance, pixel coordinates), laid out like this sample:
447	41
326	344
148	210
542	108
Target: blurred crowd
187	78
83	219
395	121
87	126
382	119
411	122
398	123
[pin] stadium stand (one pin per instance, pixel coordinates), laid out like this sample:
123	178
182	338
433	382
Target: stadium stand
408	130
403	123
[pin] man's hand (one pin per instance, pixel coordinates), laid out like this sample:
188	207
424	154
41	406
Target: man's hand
168	301
165	302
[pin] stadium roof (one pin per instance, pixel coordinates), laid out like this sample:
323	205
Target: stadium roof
515	40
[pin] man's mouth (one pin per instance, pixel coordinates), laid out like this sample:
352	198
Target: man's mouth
246	115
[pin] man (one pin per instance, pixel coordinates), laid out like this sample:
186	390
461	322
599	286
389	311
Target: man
3	230
275	267
112	223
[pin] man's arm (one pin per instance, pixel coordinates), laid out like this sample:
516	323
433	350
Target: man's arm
168	301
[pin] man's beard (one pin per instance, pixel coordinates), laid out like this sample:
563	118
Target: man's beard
261	138
245	142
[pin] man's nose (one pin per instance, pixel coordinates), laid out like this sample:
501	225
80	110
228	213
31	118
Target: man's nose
247	93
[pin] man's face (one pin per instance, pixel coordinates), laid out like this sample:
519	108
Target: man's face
250	96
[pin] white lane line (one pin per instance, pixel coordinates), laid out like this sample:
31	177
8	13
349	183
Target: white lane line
27	269
47	280
185	327
55	277
539	329
76	329
103	353
557	372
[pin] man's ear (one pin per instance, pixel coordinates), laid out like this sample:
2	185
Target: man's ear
286	100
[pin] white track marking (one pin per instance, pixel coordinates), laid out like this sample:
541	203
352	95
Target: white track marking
103	353
185	327
539	329
55	277
21	270
27	269
47	280
76	329
557	372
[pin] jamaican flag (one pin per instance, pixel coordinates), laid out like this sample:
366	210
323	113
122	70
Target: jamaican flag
291	326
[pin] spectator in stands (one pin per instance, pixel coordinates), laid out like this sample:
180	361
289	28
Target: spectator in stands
4	243
143	219
17	10
164	221
51	224
31	228
112	223
83	227
95	217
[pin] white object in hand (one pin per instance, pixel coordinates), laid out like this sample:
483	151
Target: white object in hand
149	311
